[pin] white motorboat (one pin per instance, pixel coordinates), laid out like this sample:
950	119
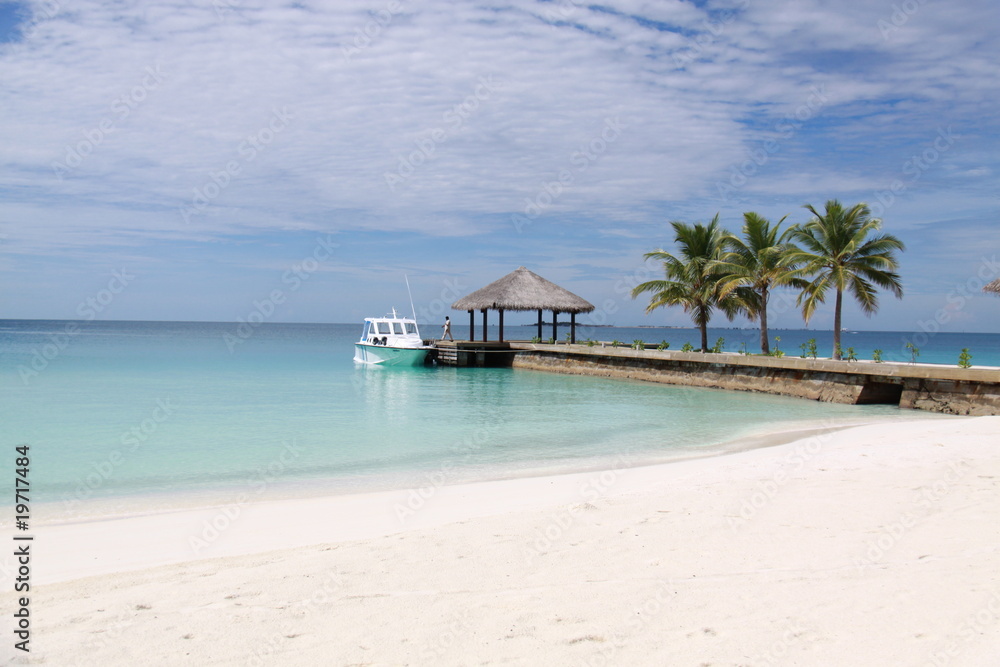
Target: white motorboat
391	341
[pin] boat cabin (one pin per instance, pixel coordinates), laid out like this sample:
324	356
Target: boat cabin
391	331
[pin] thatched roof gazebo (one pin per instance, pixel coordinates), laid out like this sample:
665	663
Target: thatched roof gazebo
523	290
993	287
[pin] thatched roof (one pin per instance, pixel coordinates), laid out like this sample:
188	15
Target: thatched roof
523	290
993	287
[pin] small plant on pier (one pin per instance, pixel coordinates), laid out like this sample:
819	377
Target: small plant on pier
914	352
877	356
687	347
777	352
719	344
965	359
851	356
536	339
552	341
638	344
663	345
743	349
838	351
809	348
591	343
615	343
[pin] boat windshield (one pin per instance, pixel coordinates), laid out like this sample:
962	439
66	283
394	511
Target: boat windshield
397	328
411	327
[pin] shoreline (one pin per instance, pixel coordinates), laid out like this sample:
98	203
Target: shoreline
876	542
138	505
205	530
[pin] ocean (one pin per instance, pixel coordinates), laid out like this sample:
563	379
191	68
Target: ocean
131	417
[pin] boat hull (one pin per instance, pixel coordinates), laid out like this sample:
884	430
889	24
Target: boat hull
384	355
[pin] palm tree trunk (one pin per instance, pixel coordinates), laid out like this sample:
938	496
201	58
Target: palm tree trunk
765	346
703	324
836	323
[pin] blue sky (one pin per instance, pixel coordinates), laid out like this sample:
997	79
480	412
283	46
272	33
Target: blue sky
195	160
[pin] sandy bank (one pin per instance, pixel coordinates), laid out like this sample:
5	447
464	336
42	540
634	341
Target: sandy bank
874	545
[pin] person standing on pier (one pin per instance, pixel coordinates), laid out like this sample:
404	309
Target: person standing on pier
447	329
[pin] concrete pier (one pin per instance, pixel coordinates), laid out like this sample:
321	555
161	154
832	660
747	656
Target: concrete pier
938	388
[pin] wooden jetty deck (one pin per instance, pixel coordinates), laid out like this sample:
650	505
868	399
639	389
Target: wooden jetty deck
472	353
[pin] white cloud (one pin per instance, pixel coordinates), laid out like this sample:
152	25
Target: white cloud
172	101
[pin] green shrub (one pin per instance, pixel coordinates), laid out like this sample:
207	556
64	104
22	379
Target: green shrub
719	344
688	347
965	359
638	344
776	352
663	345
877	356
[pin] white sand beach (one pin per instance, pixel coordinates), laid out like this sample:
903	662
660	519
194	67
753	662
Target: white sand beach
874	545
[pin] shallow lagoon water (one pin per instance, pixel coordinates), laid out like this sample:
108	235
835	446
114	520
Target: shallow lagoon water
128	416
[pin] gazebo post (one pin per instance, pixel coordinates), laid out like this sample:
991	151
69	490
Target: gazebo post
500	310
539	324
484	325
472	325
572	328
555	320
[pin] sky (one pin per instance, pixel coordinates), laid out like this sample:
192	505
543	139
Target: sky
212	159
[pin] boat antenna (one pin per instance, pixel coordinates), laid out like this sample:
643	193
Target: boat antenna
414	310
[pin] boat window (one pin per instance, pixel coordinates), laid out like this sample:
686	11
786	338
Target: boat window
397	328
380	327
411	327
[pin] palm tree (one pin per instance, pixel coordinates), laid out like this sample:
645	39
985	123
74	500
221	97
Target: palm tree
691	279
844	249
759	262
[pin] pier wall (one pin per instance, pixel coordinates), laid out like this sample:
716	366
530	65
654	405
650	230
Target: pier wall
919	386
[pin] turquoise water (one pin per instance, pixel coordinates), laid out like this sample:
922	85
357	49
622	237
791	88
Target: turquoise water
121	415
